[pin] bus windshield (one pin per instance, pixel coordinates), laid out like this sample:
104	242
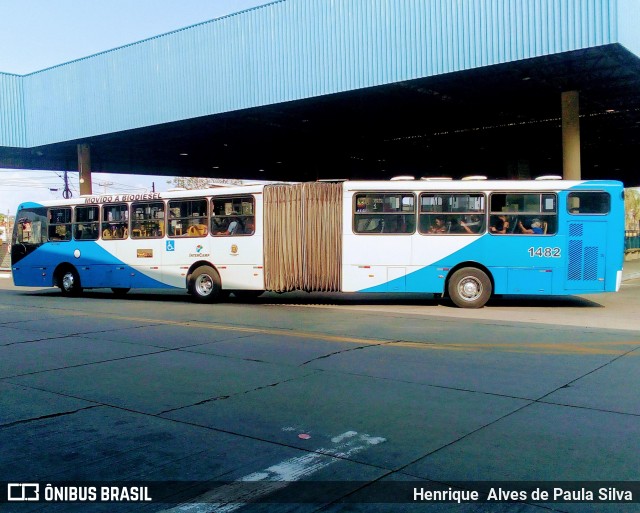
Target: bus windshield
30	226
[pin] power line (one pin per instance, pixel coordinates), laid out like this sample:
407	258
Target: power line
104	185
48	181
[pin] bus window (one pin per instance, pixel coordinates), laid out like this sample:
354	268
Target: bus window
60	224
188	218
459	214
115	221
86	225
523	213
233	216
589	203
147	220
377	212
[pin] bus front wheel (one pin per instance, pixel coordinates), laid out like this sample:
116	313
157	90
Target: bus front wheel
204	284
469	288
69	282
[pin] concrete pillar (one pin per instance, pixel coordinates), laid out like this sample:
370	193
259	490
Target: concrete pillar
570	135
84	168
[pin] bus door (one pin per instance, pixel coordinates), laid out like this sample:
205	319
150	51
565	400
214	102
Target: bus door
146	258
378	246
112	273
586	253
146	248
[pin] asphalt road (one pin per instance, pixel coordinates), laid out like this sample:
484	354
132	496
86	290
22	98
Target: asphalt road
339	391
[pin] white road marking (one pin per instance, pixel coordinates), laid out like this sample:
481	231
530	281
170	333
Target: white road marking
340	438
228	498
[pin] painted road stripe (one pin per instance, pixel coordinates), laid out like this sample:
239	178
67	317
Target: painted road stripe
604	347
225	327
228	498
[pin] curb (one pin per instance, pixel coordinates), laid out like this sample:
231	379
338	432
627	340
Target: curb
631	276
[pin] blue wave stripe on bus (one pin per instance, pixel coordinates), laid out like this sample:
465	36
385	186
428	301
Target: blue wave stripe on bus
487	251
91	255
428	278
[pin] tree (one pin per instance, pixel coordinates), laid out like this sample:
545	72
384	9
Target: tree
4	228
196	182
632	209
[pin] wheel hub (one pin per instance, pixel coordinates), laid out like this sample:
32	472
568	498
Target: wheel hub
67	281
204	285
470	288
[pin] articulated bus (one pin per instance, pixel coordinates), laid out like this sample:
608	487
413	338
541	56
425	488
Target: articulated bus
464	239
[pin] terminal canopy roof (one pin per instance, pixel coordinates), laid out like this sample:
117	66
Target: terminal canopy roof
308	89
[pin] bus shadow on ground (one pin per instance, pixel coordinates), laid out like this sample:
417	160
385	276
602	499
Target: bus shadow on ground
337	299
543	302
422	300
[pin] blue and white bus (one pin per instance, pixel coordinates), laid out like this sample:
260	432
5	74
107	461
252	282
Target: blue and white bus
464	239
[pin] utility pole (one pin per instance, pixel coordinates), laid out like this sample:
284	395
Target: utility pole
66	192
153	186
104	185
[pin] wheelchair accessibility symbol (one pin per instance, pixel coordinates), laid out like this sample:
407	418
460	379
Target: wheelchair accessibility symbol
171	245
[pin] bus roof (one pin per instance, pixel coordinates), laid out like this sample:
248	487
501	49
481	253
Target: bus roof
348	186
478	185
98	199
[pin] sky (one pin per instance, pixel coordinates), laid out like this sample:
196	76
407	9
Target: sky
37	34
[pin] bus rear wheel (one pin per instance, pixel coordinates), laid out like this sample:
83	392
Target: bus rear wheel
469	287
69	282
204	284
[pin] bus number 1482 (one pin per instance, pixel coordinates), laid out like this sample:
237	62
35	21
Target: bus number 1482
544	252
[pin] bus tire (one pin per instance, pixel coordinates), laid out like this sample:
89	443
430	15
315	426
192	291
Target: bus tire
69	281
120	291
248	295
469	287
204	284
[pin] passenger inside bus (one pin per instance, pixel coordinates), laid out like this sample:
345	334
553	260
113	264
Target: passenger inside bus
439	226
59	232
234	227
26	231
115	231
473	224
458	226
535	228
249	226
499	224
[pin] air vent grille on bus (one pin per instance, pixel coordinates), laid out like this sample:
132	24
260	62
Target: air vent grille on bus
591	263
583	260
575	230
575	260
